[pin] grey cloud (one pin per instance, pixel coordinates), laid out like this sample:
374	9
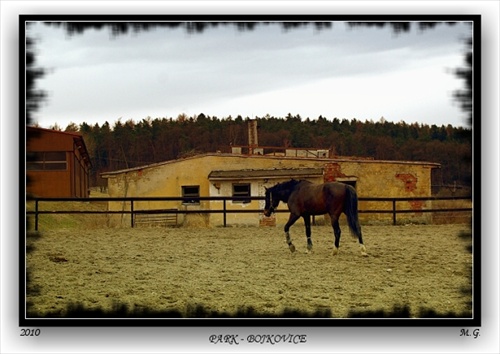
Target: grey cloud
171	68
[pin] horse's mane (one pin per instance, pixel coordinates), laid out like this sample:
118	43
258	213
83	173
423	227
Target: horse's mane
288	185
285	188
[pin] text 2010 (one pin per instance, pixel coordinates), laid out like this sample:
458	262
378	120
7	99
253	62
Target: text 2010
30	332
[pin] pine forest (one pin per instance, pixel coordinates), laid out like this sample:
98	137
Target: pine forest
137	143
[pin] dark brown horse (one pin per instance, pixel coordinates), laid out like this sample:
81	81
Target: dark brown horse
305	199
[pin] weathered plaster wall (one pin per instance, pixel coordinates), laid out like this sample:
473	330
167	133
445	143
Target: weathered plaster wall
373	179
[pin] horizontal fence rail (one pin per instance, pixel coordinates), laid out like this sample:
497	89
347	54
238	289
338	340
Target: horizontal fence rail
189	201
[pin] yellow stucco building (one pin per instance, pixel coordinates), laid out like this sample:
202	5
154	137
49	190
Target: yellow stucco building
246	175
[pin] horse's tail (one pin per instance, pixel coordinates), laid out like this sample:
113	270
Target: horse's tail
351	211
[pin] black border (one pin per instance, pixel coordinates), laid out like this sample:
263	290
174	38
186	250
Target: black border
395	320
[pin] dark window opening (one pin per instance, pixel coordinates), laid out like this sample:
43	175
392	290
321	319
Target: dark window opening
351	183
46	161
191	194
241	192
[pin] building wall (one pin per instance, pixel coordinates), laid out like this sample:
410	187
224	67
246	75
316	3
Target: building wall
72	181
48	184
372	179
388	180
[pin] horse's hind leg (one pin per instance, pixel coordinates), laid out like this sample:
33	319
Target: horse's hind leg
362	246
307	222
336	232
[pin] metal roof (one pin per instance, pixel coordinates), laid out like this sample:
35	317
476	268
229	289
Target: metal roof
265	173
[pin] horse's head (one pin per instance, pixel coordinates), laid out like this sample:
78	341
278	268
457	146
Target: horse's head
279	193
272	201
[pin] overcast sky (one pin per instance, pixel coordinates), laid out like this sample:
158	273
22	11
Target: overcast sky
363	73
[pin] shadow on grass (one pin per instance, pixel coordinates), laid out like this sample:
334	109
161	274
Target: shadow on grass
118	310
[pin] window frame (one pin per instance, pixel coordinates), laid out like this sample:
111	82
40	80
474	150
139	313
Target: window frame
48	161
192	197
240	197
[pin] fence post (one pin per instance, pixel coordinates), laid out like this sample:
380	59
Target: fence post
224	208
36	215
394	212
132	213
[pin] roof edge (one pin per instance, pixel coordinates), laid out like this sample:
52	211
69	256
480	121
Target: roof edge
326	160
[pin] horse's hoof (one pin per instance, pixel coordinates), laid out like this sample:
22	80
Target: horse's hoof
292	248
364	254
335	251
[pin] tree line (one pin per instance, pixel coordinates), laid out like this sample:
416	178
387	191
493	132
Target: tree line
137	143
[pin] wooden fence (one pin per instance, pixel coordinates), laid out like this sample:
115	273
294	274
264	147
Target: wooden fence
171	213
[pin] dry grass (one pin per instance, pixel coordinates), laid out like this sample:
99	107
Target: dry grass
451	217
426	269
51	222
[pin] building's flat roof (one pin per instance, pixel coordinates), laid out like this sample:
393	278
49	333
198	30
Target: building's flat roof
324	160
265	173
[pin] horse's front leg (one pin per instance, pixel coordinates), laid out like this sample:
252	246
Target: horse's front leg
291	220
307	223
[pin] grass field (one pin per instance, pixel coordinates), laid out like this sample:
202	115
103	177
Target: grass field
228	271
